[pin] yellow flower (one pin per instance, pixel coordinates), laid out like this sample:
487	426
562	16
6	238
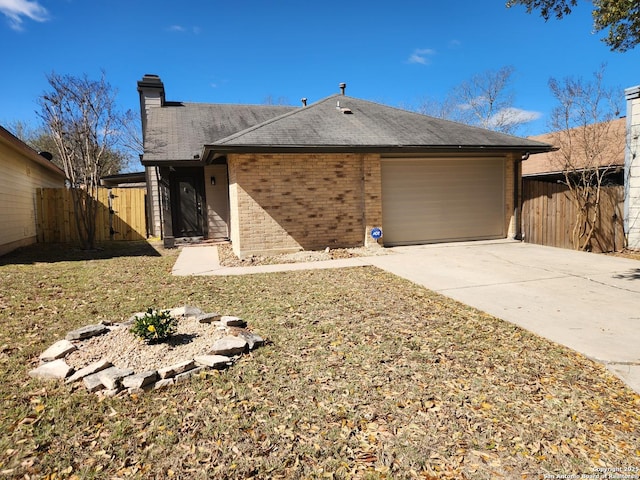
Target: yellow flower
151	328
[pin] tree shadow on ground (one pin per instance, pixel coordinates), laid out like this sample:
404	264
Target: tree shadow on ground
633	274
58	252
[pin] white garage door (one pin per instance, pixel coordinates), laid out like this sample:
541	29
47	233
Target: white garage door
437	200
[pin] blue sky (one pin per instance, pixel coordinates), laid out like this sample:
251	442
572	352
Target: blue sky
246	51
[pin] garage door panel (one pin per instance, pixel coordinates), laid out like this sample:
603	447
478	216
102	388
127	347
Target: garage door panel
431	200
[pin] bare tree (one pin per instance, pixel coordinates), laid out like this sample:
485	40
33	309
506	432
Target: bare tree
590	145
485	100
278	101
447	109
81	116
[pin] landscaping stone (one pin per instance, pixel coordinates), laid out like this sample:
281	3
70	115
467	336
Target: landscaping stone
143	389
208	317
87	332
139	380
213	361
253	340
176	369
89	370
230	321
165	382
186	311
229	345
57	350
57	369
111	376
186	375
93	383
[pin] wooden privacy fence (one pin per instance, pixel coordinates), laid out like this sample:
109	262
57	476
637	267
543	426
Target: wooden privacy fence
549	216
121	215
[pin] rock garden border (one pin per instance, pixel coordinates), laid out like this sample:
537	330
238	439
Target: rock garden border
233	339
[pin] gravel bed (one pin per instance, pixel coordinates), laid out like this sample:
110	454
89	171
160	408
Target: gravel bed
228	258
124	350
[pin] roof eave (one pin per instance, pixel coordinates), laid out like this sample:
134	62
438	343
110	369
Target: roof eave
212	151
10	139
164	162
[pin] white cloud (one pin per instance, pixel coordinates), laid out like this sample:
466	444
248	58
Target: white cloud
513	116
182	29
15	10
420	56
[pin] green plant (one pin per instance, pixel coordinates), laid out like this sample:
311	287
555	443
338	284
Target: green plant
154	326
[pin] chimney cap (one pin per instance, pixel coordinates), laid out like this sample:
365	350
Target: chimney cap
150	80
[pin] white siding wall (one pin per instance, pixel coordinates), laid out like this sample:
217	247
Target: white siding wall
632	169
19	180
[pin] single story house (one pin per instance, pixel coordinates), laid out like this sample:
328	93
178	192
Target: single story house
24	170
276	179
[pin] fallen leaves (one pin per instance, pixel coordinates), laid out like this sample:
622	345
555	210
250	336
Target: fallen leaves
402	383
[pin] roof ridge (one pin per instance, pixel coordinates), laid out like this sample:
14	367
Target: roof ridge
207	104
246	131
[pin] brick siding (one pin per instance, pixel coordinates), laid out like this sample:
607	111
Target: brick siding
290	202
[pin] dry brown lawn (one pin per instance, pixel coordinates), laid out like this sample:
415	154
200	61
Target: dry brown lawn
365	376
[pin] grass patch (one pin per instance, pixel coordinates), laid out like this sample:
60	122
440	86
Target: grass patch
366	376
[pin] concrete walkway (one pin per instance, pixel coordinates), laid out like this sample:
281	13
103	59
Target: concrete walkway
588	302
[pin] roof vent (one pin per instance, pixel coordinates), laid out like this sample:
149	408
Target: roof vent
342	109
343	87
304	101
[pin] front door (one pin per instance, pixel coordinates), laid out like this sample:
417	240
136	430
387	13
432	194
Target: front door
188	193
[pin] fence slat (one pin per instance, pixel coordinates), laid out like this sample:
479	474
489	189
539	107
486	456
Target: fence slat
56	219
549	216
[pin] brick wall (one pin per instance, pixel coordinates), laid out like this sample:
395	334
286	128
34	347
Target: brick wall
289	202
372	197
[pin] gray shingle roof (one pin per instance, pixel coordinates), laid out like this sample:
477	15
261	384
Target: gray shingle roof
180	132
368	125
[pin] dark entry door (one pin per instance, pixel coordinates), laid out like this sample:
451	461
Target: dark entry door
188	194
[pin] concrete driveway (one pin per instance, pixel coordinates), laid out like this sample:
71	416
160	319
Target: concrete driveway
588	302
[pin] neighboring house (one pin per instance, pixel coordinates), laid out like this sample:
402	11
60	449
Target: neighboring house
556	213
23	171
632	169
281	179
609	138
